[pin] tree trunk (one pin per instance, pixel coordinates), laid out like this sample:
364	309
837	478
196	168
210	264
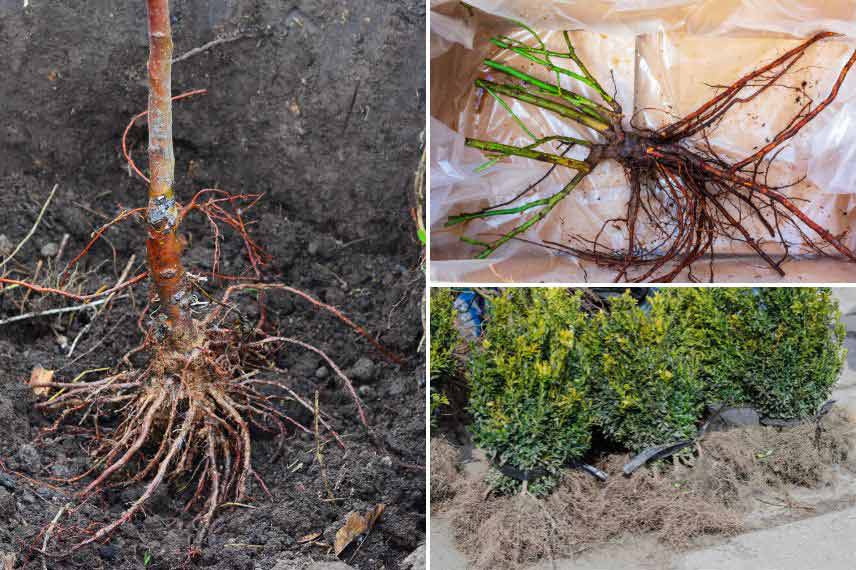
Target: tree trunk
163	246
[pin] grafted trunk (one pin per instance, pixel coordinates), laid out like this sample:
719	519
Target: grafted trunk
163	245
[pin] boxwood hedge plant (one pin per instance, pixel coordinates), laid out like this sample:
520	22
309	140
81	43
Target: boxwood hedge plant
799	351
716	325
444	340
777	349
645	386
528	397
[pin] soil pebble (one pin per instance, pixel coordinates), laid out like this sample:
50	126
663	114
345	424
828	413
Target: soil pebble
50	249
306	365
363	370
321	373
29	459
5	245
6	482
398	387
322	247
61	470
108	552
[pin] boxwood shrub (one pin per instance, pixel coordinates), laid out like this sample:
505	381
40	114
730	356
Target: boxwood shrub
546	373
800	351
443	363
528	398
644	383
776	349
716	326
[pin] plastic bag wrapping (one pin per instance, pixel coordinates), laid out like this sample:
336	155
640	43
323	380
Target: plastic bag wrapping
793	18
660	74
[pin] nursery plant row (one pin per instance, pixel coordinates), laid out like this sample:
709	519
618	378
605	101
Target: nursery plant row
553	378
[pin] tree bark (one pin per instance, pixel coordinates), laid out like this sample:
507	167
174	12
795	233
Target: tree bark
164	246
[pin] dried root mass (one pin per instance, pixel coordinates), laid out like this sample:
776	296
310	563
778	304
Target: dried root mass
673	503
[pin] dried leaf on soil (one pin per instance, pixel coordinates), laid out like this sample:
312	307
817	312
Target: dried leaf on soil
38	377
355	525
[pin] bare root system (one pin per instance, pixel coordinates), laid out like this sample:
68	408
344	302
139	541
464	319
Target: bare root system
673	503
684	195
186	417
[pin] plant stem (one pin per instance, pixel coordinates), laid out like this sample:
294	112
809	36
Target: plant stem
528	152
550	203
560	109
163	245
592	80
584	104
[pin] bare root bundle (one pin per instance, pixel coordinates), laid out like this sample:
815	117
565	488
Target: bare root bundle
512	532
684	195
445	477
506	532
674	503
737	464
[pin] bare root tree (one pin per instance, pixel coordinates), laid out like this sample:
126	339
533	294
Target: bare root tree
187	413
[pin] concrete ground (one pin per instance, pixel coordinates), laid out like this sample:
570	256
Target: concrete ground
824	542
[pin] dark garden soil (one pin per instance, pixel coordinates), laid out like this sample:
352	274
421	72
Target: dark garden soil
320	106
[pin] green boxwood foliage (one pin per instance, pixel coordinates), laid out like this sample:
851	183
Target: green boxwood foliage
644	383
528	398
777	349
443	362
716	326
799	354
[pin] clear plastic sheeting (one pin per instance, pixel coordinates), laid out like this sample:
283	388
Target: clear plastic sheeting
662	59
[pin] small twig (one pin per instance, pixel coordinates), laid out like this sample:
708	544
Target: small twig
242	505
205	47
76	379
33	229
28	291
107	335
787	504
54	311
341	281
75	296
86	328
319	457
61	249
49	532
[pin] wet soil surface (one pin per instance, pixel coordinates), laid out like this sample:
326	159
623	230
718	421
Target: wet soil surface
320	106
